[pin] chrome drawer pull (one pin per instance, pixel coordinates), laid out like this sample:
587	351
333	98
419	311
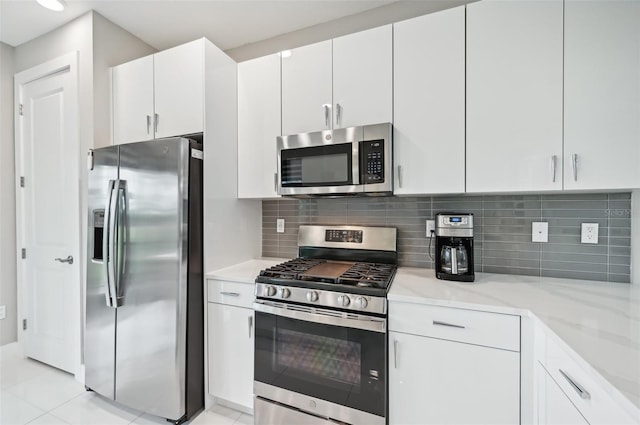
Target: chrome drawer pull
451	325
584	394
395	353
231	294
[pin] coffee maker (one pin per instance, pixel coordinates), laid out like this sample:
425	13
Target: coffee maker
454	247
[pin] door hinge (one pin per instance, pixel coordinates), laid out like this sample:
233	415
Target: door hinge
20	109
24	253
21	181
24	324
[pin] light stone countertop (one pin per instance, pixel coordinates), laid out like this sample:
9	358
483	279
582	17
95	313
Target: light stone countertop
245	272
598	321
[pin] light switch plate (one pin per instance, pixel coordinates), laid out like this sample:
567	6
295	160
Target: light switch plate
3	311
539	231
280	225
589	233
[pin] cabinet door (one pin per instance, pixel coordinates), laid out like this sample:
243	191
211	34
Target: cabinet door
514	95
230	353
259	121
428	136
554	408
362	77
434	381
132	98
602	95
306	89
179	89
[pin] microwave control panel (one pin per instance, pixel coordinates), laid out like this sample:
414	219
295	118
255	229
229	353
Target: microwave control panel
373	161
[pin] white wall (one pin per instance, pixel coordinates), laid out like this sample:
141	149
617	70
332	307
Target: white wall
7	198
635	237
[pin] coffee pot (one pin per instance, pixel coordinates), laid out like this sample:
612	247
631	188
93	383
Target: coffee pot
454	247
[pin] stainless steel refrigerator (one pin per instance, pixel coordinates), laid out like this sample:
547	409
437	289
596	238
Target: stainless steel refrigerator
144	324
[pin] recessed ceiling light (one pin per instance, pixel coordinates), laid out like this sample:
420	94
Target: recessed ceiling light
57	5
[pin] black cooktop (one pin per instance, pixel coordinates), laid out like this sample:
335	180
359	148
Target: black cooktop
345	276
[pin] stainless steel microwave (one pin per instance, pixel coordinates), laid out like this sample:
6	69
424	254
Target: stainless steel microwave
346	161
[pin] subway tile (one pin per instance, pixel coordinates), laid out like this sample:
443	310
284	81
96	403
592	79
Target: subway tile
512	205
572	274
620	250
620	195
619	278
619	222
618	269
574	249
548	206
619	260
511	246
524	213
511	270
569	266
521	255
574	197
575	258
511	262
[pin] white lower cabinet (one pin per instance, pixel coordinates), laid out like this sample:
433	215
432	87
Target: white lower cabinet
446	366
230	340
554	407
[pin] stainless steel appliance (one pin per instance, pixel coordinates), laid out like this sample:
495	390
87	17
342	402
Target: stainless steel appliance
354	161
454	247
321	329
143	342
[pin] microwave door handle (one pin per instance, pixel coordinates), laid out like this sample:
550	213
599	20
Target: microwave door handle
356	163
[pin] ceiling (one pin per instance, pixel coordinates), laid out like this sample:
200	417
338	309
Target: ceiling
163	23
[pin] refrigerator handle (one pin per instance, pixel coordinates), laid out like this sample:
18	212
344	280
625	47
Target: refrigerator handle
120	241
108	243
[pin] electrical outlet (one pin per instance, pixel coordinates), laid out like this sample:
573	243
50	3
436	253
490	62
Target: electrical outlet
431	227
280	225
589	233
539	231
3	311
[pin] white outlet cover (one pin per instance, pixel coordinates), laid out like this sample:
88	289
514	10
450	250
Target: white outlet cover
589	233
280	225
539	231
431	226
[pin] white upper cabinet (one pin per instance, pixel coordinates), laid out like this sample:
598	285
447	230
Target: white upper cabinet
338	83
179	89
429	122
306	89
161	95
602	95
132	94
258	126
514	95
362	78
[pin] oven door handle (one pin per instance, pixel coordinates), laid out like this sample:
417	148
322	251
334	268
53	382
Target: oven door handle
375	324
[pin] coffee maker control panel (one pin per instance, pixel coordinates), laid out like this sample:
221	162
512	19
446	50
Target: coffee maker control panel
454	221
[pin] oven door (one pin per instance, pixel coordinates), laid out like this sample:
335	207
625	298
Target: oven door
329	363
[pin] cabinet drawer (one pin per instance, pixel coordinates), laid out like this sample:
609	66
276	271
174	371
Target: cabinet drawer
470	326
231	293
590	397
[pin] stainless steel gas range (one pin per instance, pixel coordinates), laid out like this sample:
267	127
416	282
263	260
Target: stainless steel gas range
321	329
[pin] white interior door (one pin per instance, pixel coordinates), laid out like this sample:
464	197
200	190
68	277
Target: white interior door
48	218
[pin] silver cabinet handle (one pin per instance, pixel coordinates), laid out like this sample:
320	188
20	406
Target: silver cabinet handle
338	115
451	325
156	118
148	123
574	166
399	175
275	182
68	260
250	325
552	168
584	394
395	353
327	115
230	294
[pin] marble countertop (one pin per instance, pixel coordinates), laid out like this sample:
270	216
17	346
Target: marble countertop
598	321
244	272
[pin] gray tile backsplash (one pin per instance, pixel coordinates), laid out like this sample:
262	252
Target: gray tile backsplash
502	230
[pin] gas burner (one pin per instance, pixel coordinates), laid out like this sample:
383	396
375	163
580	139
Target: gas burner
291	269
367	275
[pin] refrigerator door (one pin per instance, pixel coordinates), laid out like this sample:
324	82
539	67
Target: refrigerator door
151	321
100	325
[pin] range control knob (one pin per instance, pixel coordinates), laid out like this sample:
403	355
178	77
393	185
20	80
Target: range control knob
343	300
270	290
284	292
361	302
312	296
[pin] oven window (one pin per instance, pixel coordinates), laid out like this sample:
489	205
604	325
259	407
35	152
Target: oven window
329	165
336	360
339	364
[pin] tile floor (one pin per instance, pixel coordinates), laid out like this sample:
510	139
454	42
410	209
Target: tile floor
36	394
